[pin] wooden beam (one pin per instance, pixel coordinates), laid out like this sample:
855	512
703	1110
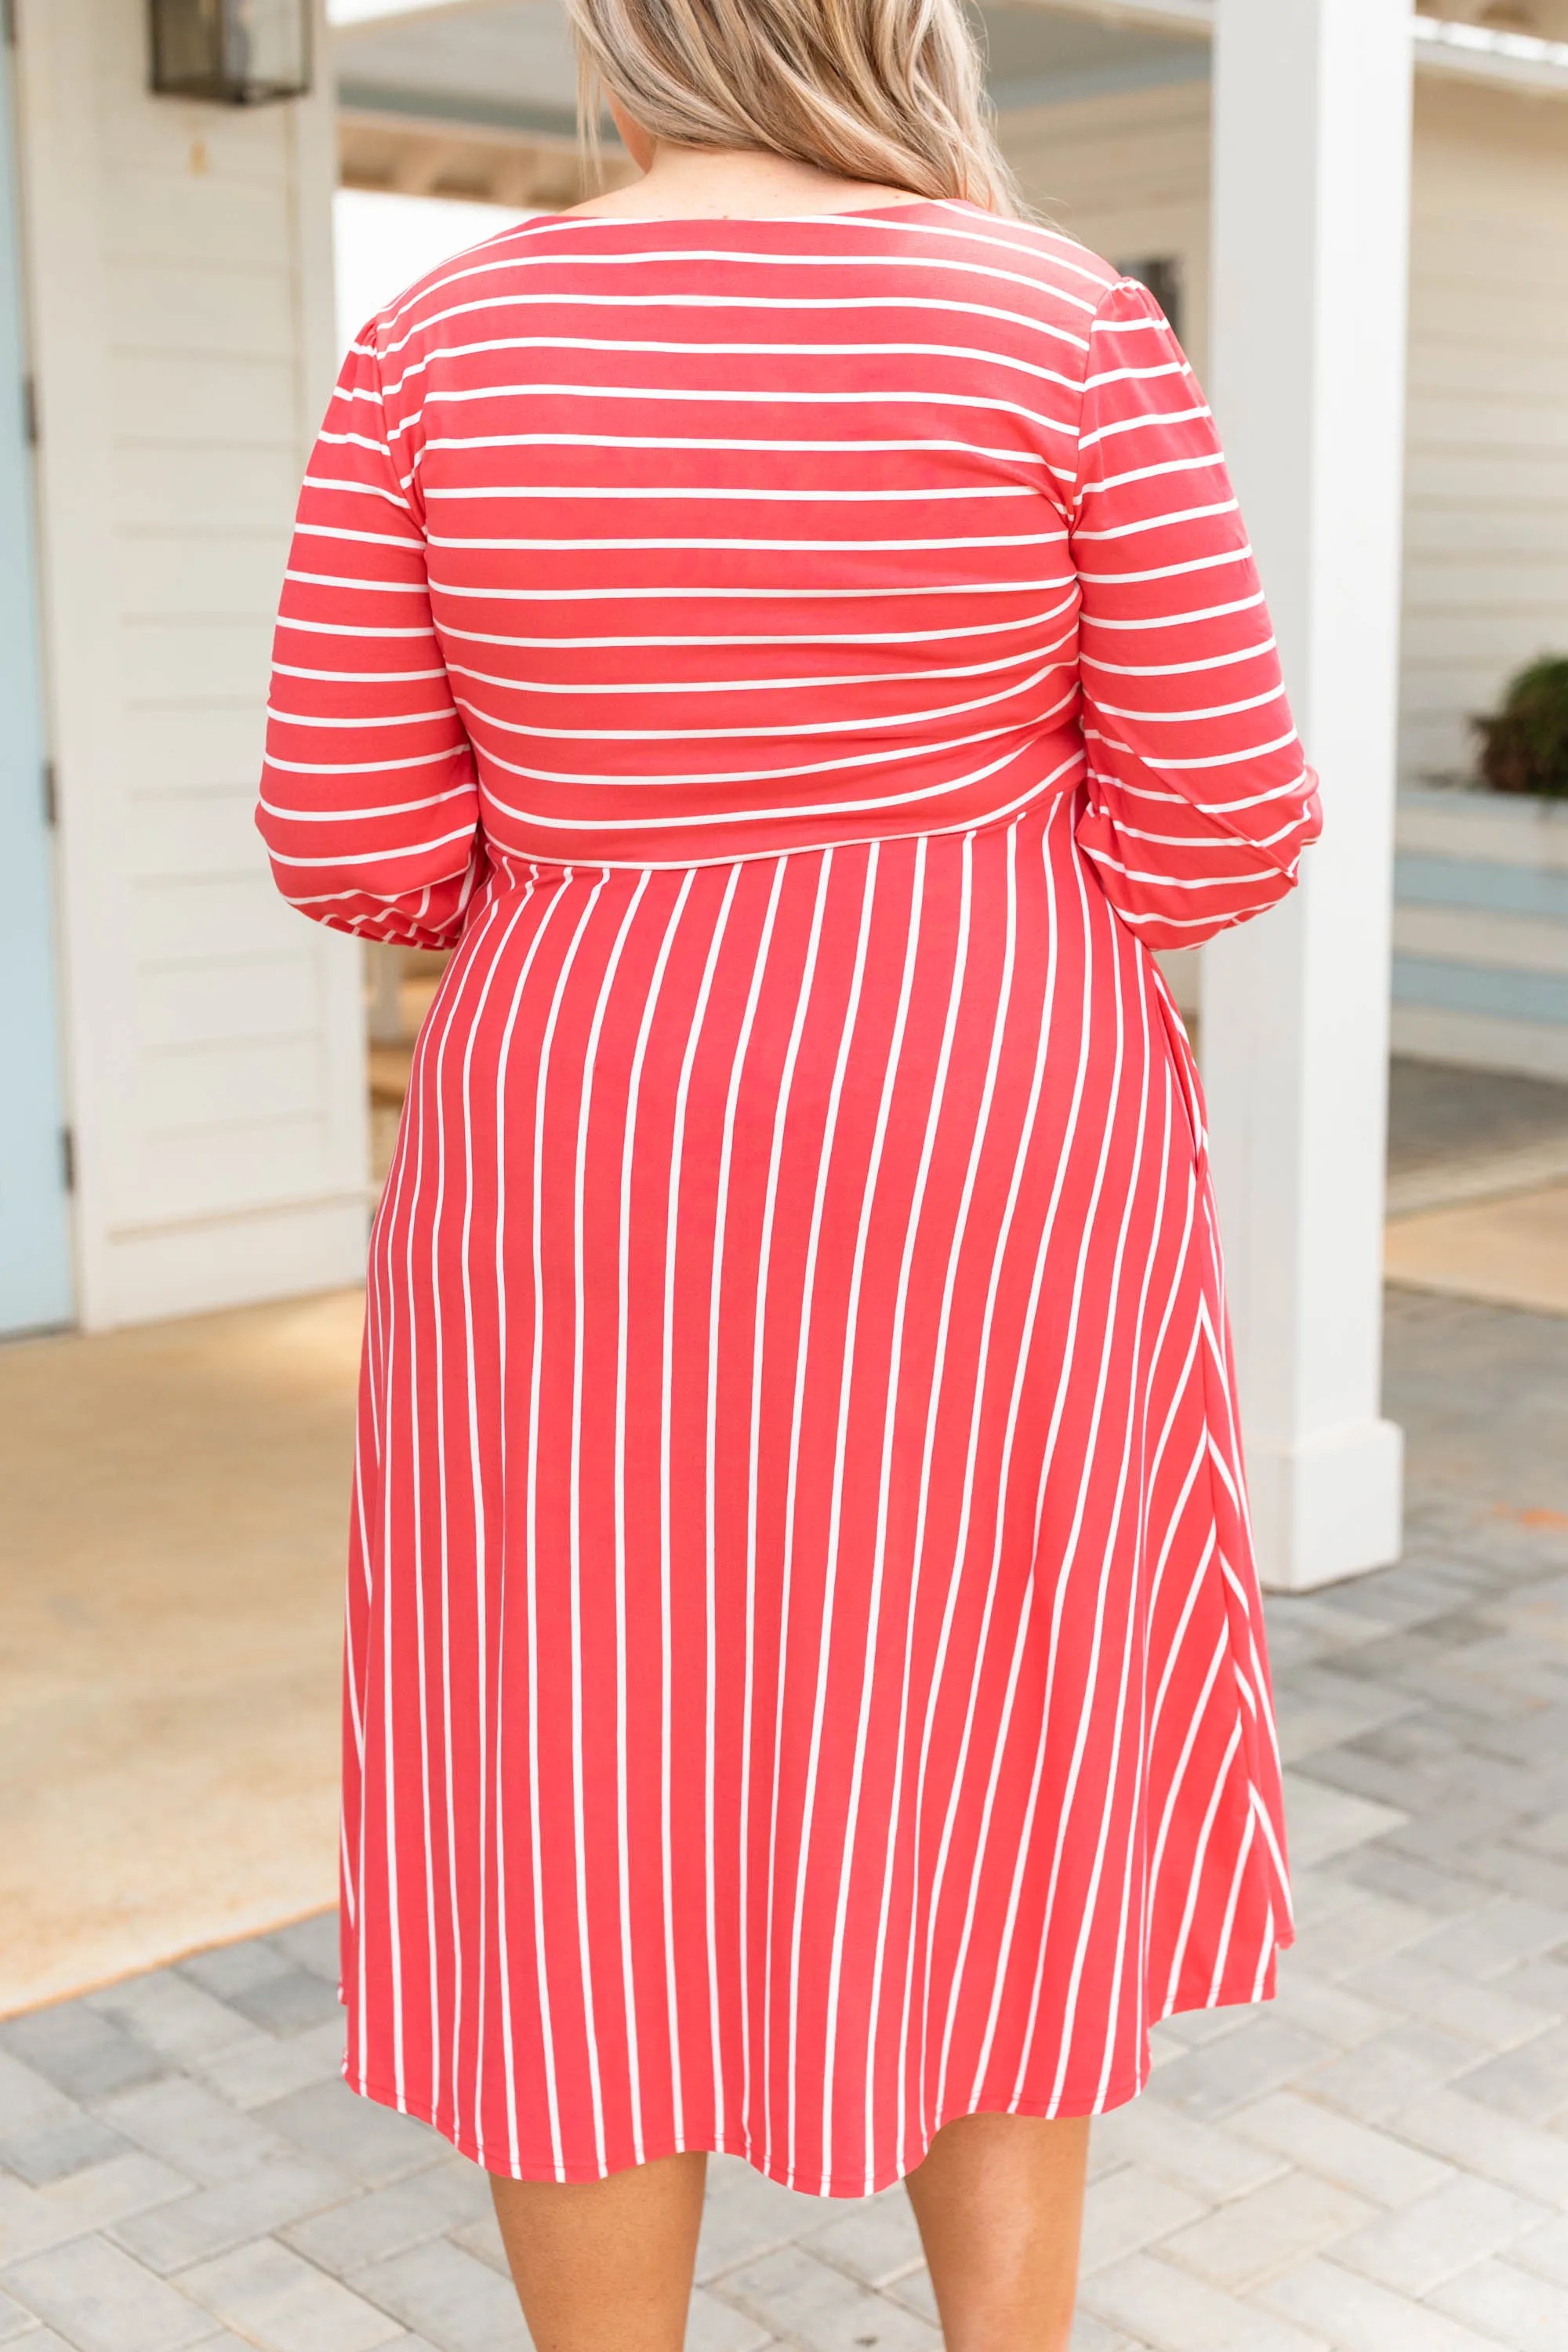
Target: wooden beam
476	163
1519	61
1476	53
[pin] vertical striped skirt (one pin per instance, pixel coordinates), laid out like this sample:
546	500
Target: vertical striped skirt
805	1674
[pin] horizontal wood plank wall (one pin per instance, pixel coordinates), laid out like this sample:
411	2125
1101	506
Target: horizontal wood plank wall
1127	173
1480	968
1480	931
1487	487
181	286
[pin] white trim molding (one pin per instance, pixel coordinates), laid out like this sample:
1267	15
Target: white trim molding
1194	16
1459	51
1478	53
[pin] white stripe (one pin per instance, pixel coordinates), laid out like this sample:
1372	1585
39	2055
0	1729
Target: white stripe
848	1023
759	1342
600	542
793	641
890	1074
623	1329
1067	1375
787	306
1240	553
579	1302
813	399
1175	621
1062	584
710	444
661	347
743	1815
1045	1037
895	1371
1200	461
364	723
542	1082
708	779
584	825
667	1555
866	226
1156	522
778	730
760	684
445	1011
1158	419
1191	717
618	494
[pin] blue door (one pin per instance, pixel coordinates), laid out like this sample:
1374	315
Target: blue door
35	1209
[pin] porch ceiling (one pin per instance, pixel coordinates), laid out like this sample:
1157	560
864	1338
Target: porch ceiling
1450	38
506	66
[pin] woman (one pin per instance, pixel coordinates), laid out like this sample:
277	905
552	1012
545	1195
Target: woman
786	625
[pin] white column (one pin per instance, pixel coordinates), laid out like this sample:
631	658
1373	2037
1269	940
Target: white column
1311	194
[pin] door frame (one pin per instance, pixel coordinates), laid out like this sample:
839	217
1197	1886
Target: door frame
37	1289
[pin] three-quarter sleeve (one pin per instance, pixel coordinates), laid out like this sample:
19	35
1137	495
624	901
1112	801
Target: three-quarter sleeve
369	802
1199	799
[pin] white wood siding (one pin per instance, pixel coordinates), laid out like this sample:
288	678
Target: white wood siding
1127	173
180	296
1487	489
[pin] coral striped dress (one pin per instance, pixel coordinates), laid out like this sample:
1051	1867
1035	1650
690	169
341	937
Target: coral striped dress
804	1671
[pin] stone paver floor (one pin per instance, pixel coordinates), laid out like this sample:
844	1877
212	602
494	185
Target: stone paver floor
1375	2162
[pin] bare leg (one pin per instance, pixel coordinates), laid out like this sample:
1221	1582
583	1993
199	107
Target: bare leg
999	2201
605	2265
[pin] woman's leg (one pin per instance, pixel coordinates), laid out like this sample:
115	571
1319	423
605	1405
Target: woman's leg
605	2265
999	2201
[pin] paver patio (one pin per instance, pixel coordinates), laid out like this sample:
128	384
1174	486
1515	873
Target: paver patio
1375	2162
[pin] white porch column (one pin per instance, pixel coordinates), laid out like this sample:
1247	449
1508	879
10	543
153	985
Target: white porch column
1311	189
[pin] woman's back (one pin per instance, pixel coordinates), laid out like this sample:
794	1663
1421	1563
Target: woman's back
739	535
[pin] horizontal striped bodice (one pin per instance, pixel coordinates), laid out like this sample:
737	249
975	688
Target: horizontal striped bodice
664	543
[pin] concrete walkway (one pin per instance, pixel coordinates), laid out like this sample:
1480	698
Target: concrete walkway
1376	2162
175	1499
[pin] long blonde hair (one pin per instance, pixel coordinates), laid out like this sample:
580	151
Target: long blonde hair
889	92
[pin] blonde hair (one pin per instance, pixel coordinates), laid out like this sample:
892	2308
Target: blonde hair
889	92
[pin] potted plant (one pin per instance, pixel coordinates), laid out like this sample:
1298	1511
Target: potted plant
1524	747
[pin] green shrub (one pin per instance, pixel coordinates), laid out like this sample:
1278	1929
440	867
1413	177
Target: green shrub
1524	748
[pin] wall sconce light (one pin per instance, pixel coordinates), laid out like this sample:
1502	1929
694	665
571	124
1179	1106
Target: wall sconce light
231	52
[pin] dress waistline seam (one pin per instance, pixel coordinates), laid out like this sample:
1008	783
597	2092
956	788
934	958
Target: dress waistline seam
1052	791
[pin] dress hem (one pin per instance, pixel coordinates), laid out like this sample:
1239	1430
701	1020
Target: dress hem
839	2184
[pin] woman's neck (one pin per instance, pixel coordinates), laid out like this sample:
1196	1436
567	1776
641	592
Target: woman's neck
696	183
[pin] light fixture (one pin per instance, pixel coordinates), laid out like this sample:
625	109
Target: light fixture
231	52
